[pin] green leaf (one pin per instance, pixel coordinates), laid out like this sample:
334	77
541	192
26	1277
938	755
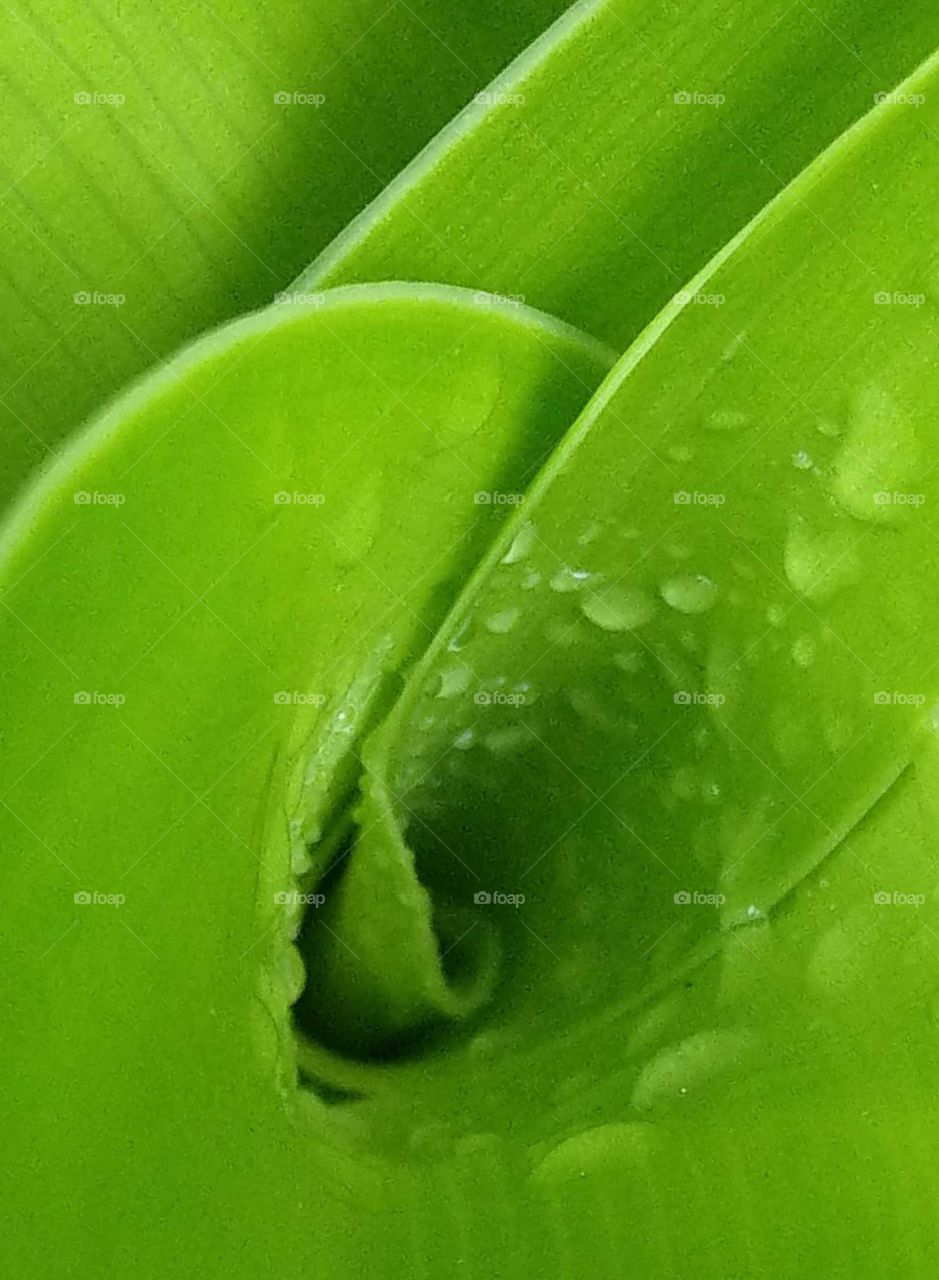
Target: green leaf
566	812
625	147
203	605
155	162
687	773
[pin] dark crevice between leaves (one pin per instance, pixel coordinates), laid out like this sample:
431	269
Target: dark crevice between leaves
349	1016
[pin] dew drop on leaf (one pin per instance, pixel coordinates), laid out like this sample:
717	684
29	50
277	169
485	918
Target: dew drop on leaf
818	565
621	1145
502	622
619	608
803	651
694	1063
689	593
567	579
454	681
521	545
879	458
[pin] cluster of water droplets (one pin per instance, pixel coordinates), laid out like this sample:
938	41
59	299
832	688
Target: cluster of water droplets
625	625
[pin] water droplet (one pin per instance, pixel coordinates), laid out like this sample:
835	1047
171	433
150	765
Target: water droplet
632	663
803	651
459	636
292	972
592	708
531	580
567	579
838	962
483	1045
521	545
619	608
879	457
622	1145
775	615
802	461
502	622
678	551
454	681
689	593
693	1063
465	740
590	534
680	453
818	565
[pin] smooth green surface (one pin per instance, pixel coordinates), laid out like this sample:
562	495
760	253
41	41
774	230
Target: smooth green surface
623	149
701	687
470	811
186	187
198	801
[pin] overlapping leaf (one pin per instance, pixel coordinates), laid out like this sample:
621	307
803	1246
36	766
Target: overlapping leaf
639	779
